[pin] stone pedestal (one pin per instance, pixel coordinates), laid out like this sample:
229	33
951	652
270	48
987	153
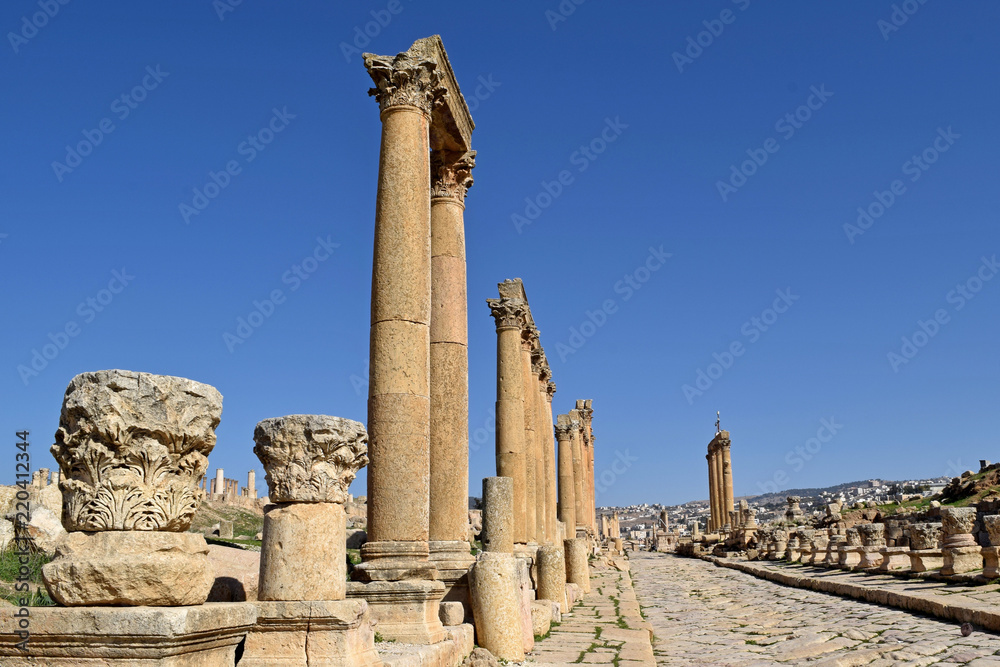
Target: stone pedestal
961	553
452	559
849	557
895	559
832	558
870	558
496	605
991	562
301	539
552	576
135	568
958	560
924	560
192	636
406	611
577	567
303	634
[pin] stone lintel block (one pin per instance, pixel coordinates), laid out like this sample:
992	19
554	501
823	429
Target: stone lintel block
130	568
406	611
923	560
319	632
189	636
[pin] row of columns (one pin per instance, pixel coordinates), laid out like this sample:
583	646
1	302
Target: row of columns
720	481
547	488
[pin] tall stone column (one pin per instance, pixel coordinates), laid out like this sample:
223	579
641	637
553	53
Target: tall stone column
579	474
727	479
529	336
551	468
540	429
591	488
399	384
567	482
510	317
220	482
711	490
252	484
719	492
451	178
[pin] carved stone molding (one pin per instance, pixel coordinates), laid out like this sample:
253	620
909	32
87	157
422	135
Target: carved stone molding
451	174
551	390
132	448
310	458
564	431
508	313
411	78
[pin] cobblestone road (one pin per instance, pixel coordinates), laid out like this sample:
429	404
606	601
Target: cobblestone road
706	615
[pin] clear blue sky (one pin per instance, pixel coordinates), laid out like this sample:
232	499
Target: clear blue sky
673	128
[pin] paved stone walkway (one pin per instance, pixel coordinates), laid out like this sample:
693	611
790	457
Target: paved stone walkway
707	615
605	628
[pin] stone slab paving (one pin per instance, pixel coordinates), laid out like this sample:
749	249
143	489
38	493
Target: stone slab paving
707	615
962	602
605	628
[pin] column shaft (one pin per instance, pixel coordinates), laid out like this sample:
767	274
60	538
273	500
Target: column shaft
579	477
719	493
539	414
727	481
449	354
567	484
530	446
712	508
551	468
509	315
399	386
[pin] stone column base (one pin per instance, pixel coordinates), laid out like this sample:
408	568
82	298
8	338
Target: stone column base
849	557
958	560
870	558
922	560
406	611
394	561
991	562
780	548
497	605
103	636
895	559
452	559
324	632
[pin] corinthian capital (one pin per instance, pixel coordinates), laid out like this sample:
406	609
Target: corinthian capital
411	78
451	173
564	431
508	313
551	390
529	338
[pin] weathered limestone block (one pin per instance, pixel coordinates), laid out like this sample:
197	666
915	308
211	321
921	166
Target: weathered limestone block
498	514
327	632
541	617
451	613
850	551
991	554
189	636
577	567
961	553
820	541
837	540
135	568
792	552
925	553
872	542
780	544
303	553
496	605
794	511
310	458
132	448
894	559
552	576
